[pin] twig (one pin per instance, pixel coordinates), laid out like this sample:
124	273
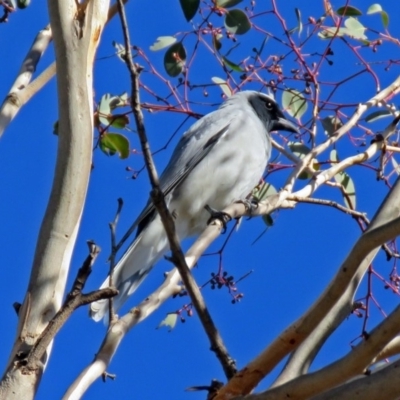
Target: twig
330	203
157	196
74	299
112	316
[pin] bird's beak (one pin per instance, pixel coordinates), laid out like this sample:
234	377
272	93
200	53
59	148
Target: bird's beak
283	124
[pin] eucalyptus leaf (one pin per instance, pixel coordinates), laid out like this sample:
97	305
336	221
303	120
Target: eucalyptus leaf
347	183
299	149
104	108
328	33
331	124
217	41
268	220
377	9
162	42
355	28
174	59
169	321
374	116
299	23
118	101
263	190
236	21
223	85
23	3
385	19
294	102
227	3
374	8
118	120
112	143
189	8
348	11
232	65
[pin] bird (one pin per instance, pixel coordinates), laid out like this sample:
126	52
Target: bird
217	161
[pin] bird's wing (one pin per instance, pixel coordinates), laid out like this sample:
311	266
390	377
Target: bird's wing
194	145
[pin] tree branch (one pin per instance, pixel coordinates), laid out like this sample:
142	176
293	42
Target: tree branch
158	199
75	46
384	226
74	300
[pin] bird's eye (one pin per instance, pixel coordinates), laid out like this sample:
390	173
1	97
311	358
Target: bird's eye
269	105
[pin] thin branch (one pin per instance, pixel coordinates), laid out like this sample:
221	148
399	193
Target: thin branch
384	226
74	300
113	225
330	203
158	199
22	89
12	103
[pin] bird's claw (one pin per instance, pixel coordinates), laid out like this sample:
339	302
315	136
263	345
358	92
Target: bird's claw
220	215
250	205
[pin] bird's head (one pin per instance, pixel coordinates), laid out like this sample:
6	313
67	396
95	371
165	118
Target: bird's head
268	111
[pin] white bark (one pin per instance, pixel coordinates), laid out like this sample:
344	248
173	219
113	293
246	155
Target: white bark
76	32
18	94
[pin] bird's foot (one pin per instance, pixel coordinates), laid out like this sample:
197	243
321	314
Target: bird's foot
250	205
220	215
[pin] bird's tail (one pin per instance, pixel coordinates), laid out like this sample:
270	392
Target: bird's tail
130	272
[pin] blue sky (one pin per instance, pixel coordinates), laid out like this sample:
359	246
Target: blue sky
292	262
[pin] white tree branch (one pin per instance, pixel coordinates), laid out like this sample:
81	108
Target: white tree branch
15	98
76	32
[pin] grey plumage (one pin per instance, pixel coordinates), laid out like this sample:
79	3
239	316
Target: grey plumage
218	161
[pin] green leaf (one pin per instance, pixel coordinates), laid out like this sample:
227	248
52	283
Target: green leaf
348	11
374	116
104	108
118	101
189	8
385	19
118	120
350	198
162	42
299	23
23	3
347	183
232	65
355	28
236	21
217	41
174	59
227	3
268	220
331	124
375	8
328	33
169	321
260	193
263	190
299	149
111	143
223	85
294	102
